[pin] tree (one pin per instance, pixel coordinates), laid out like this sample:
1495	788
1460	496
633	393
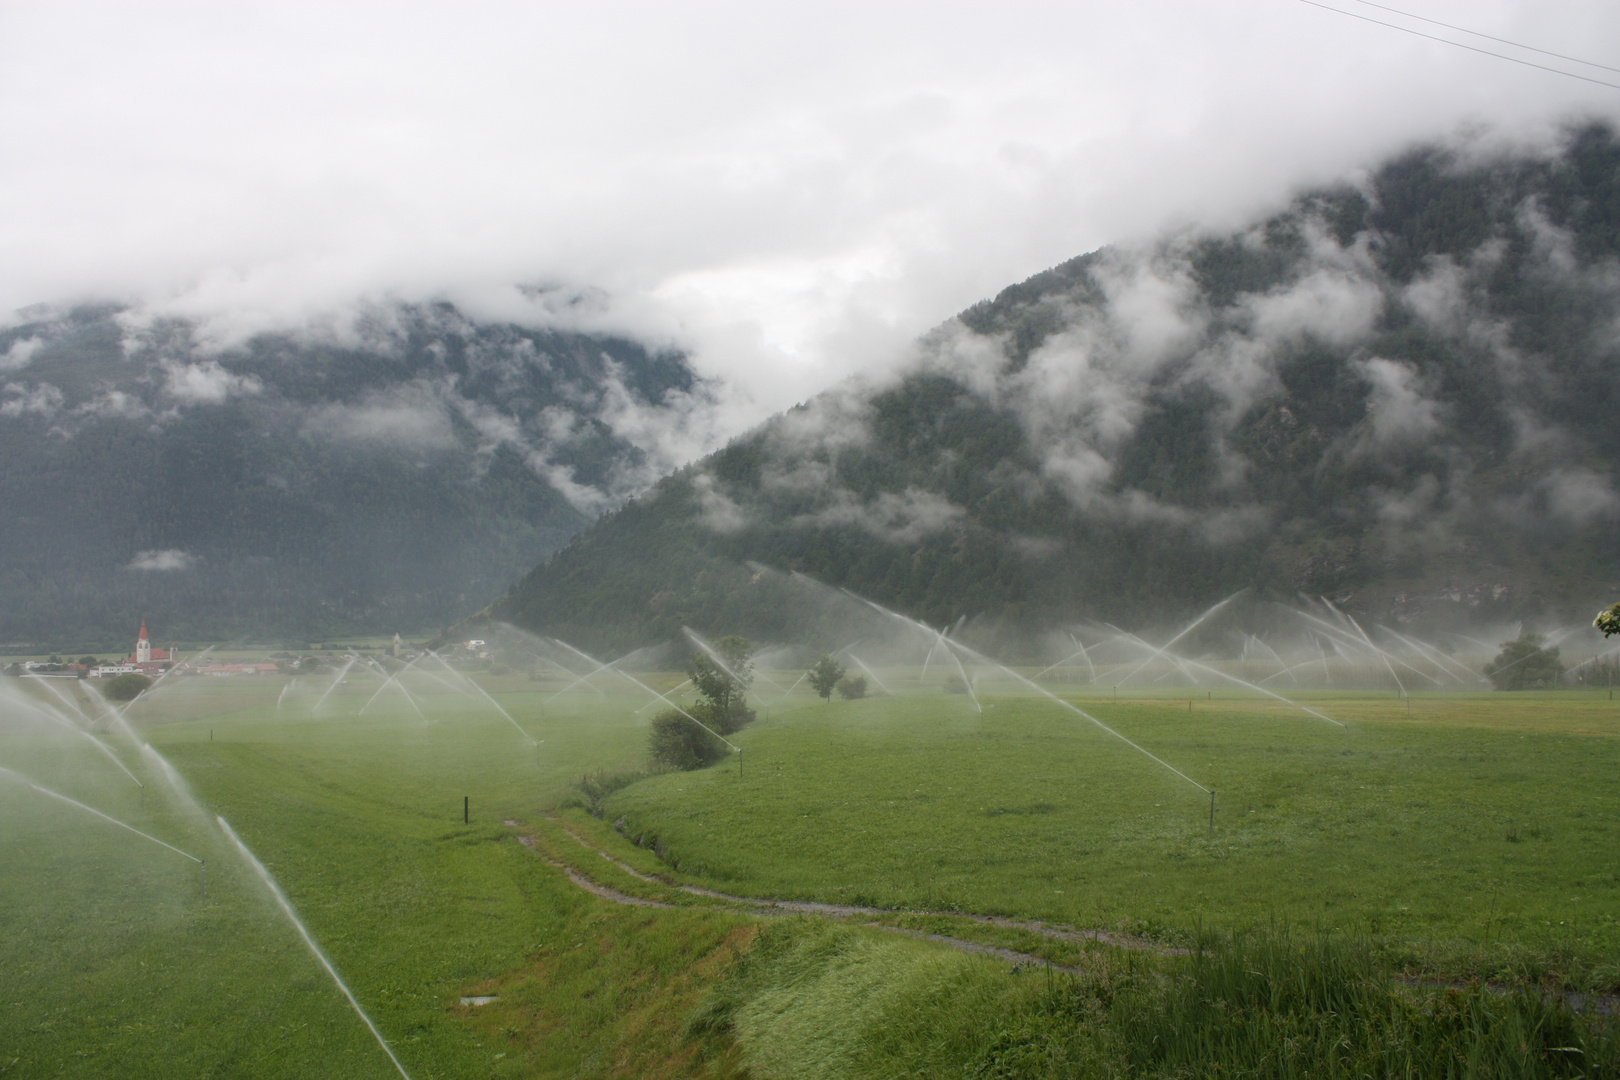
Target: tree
852	687
723	684
125	687
1608	621
1524	664
89	661
676	742
825	675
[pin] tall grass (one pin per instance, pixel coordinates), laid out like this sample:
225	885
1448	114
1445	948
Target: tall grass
818	1001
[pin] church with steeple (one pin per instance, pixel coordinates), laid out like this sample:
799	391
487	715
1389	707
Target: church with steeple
147	660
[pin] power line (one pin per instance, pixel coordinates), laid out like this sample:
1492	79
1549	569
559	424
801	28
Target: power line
1505	41
1460	45
1487	37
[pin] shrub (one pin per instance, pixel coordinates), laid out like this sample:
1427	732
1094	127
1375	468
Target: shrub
126	687
675	742
850	688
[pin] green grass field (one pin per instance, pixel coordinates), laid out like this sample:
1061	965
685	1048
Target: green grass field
1486	819
1481	831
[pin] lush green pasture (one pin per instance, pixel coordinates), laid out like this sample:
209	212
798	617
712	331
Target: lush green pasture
1481	819
1478	820
114	965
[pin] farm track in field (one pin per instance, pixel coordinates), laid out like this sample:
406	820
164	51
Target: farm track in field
842	912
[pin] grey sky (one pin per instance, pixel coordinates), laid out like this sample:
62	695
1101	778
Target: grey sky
791	193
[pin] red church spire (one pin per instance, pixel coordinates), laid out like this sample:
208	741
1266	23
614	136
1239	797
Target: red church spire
143	631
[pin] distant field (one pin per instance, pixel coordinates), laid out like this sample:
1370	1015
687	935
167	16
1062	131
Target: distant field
1481	818
1488	821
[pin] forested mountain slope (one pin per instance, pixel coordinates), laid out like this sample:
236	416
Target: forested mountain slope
393	477
1400	393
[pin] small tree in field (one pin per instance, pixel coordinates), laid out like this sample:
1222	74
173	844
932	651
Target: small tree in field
825	675
723	685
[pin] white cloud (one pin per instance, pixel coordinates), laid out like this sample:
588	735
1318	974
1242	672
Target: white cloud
40	400
410	418
20	353
1580	496
205	383
903	518
717	511
166	559
788	200
1396	407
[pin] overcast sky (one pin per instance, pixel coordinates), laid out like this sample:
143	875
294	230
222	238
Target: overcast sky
790	192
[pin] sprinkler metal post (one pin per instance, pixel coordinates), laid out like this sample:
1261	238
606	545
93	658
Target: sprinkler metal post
1212	815
466	801
204	878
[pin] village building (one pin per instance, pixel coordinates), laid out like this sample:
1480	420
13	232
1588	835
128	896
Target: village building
145	659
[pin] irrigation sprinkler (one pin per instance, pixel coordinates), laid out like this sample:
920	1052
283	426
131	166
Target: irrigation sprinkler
1269	693
675	688
392	677
340	677
1189	628
584	656
870	672
21	779
101	746
287	908
1038	688
474	684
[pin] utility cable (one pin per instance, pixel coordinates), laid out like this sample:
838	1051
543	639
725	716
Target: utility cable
1460	45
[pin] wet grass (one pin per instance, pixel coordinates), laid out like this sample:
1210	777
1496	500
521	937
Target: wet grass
1461	836
1479	837
115	966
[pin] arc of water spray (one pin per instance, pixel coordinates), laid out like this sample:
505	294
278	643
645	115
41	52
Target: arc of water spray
393	678
1335	634
1081	712
340	676
287	908
1382	654
704	645
585	677
1189	628
146	695
960	670
1269	693
1440	659
473	683
625	674
653	701
870	672
805	675
20	778
77	730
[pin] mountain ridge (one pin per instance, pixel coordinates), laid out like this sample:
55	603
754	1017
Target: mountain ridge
1398	393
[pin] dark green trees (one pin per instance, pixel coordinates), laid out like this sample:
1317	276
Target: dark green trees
1524	664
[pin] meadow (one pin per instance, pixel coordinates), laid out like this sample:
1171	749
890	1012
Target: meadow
1485	823
1476	836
